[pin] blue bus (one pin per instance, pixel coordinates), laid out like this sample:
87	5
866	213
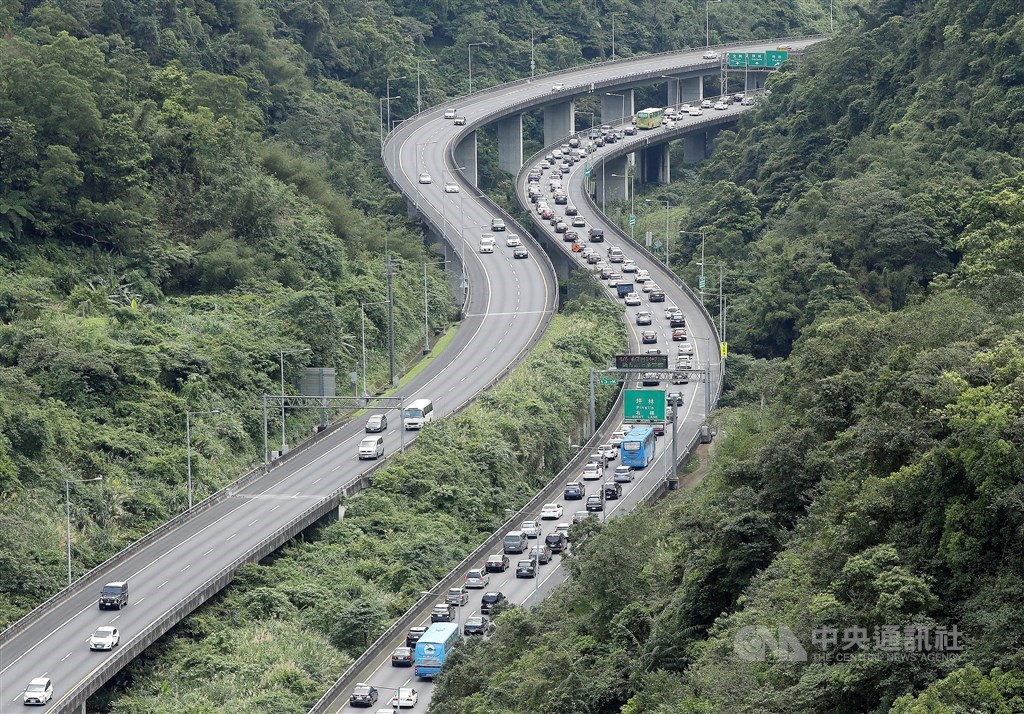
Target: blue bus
434	647
637	447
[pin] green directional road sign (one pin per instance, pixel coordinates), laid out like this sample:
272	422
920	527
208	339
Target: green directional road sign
632	220
608	380
644	405
586	172
757	59
701	282
737	59
776	57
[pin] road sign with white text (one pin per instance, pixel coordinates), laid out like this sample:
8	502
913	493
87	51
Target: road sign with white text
644	405
757	59
737	59
776	57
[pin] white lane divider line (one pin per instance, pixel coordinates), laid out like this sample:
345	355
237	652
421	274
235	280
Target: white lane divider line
275	508
67	655
185	568
162	584
297	494
318	481
115	619
254	522
230	537
207	552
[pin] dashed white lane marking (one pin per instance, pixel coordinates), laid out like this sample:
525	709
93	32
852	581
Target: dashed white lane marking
275	508
67	655
162	584
317	481
208	552
254	522
230	536
337	467
186	568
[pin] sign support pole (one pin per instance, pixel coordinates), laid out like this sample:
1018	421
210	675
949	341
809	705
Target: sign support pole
593	405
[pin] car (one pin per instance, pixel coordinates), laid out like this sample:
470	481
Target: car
679	334
443	612
611	490
674	399
659	428
477	578
561	199
413	635
605	273
105	638
671	310
457	596
497	563
377	422
526	568
406	697
477	625
643	317
648	337
685	349
520	253
653	351
710	55
720	105
628	266
632	299
593	258
595	503
596	235
561	227
579	222
649	285
114	595
747	102
614	279
542	553
556	541
642	275
530	528
592	471
558	86
451	187
623	474
785	48
492	601
617	436
551	511
574	491
363	695
609	451
570	236
571	210
402	657
38	691
677	320
705	104
513	241
425	178
459	121
656	296
562	528
695	112
450	113
629	130
580	516
497	224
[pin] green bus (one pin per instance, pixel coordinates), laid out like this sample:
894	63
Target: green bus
649	118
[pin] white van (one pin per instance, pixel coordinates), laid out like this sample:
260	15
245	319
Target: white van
372	447
418	413
487	243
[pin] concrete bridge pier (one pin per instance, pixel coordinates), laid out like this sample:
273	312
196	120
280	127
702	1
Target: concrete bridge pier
695	147
654	165
510	143
688	89
559	121
465	156
616	105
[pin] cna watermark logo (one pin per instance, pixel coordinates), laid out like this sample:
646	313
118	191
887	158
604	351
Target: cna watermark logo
907	643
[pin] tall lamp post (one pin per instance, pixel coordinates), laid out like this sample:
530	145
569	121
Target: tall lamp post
533	60
667	206
362	331
387	84
419	98
707	20
632	212
614	14
701	286
188	444
471	46
283	353
622	105
67	511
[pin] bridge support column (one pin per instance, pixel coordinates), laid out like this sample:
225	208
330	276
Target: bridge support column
612	181
654	165
753	81
510	143
615	106
685	89
559	121
465	156
694	147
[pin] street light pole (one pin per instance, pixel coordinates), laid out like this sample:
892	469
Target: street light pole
667	207
701	285
533	61
613	30
707	13
426	307
283	353
67	512
471	46
188	446
419	99
362	313
387	83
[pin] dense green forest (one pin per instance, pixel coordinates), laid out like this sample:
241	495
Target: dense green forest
869	217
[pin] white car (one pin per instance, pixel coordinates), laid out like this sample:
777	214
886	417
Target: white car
512	241
451	187
530	528
642	275
477	578
551	512
592	471
685	349
632	300
558	86
629	267
449	113
38	691
406	697
696	111
425	178
721	106
710	54
609	451
649	285
105	638
705	104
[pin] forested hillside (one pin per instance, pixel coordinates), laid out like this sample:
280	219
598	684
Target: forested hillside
863	511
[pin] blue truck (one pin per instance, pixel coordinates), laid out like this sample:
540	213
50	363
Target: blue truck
624	289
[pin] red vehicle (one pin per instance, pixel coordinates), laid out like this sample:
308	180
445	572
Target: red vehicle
679	334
